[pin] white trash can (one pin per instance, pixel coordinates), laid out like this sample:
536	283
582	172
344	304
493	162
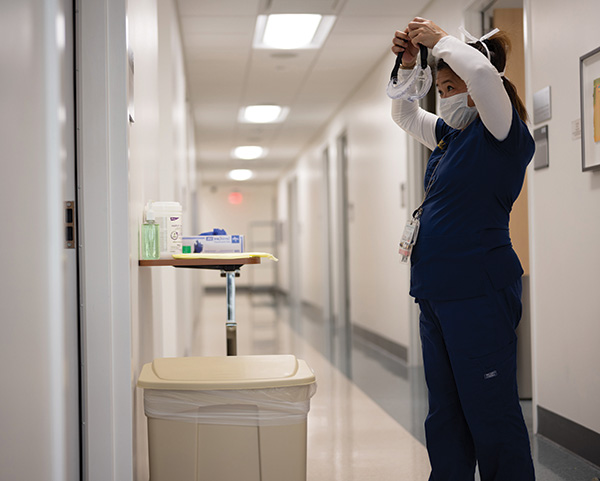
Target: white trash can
227	418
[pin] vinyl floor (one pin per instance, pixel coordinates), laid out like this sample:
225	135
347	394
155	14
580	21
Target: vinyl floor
366	419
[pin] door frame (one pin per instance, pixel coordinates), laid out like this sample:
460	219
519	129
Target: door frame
343	325
294	274
328	251
104	271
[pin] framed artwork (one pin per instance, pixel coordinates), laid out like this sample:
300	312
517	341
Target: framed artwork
589	91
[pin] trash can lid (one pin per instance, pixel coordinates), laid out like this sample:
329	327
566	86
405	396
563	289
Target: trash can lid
231	372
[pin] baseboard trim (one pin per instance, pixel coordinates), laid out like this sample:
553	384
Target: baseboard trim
390	347
312	312
315	314
576	438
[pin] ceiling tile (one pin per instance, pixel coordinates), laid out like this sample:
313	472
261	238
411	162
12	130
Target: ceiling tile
325	7
224	73
217	7
389	8
367	24
222	25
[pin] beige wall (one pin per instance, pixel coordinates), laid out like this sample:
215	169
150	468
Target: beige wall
164	300
377	166
564	223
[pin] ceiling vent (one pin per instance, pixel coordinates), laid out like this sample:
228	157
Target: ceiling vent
324	7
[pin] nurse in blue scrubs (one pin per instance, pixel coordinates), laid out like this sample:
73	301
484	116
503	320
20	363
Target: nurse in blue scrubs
465	274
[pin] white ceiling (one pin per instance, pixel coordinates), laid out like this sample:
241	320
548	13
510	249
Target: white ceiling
225	73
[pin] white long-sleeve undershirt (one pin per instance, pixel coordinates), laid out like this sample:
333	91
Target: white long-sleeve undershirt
484	85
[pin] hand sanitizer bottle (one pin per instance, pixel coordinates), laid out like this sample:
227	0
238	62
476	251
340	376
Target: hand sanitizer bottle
150	239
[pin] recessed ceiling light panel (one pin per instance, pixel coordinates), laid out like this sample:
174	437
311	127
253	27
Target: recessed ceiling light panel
249	152
292	31
240	174
263	114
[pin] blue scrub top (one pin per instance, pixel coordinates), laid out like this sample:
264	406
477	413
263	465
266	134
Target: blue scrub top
464	242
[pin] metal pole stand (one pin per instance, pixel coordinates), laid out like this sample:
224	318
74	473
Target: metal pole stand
231	326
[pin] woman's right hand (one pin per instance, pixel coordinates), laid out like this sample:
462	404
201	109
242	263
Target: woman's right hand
402	43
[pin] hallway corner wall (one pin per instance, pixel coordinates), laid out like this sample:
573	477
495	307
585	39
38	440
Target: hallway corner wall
164	300
565	223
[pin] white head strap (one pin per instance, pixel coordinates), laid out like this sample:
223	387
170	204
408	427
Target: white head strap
480	40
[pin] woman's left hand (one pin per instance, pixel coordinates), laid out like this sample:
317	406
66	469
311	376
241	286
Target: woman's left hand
425	32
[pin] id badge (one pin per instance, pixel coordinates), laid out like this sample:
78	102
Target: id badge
409	237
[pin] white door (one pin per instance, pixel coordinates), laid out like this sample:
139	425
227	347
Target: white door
39	415
67	124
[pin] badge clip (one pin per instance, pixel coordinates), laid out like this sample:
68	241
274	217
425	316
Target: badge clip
409	237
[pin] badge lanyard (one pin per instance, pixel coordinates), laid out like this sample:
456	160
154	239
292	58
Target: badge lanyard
411	230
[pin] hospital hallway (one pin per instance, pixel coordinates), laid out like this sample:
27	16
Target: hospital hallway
369	427
142	137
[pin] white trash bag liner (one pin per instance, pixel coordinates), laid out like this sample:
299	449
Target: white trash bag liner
246	407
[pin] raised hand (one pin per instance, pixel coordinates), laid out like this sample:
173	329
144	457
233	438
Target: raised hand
425	32
402	43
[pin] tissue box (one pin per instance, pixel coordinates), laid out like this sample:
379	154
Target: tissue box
213	244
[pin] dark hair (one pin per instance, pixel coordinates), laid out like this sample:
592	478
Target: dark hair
499	46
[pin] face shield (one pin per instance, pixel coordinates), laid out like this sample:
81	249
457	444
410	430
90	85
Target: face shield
416	85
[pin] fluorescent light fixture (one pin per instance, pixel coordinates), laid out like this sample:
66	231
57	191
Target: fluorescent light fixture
263	114
289	31
292	31
240	174
248	152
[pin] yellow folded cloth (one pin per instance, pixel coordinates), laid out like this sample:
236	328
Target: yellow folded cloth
228	255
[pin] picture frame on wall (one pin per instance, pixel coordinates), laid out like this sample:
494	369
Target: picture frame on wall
589	90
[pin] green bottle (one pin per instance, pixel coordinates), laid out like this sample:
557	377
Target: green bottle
150	239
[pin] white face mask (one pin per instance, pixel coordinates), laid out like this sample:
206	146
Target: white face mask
456	112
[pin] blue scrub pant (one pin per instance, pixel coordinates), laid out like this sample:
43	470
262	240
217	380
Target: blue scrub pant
470	360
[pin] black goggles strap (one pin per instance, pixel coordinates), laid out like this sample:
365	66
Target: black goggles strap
399	61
